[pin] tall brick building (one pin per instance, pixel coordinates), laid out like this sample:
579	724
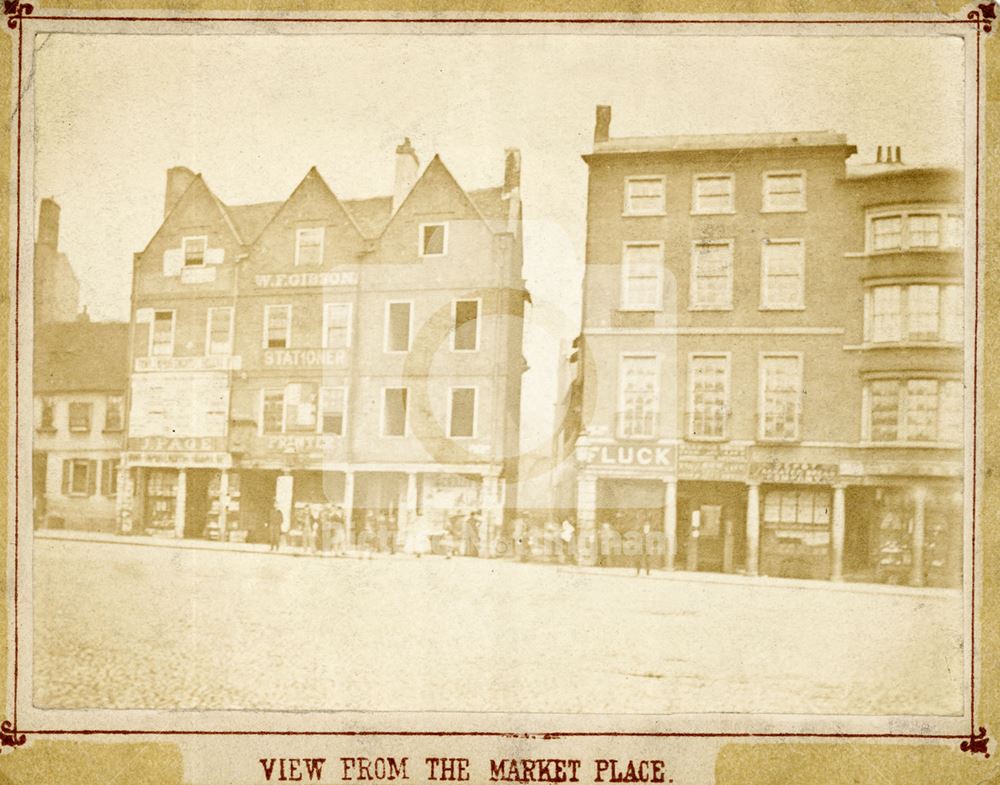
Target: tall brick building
771	357
361	352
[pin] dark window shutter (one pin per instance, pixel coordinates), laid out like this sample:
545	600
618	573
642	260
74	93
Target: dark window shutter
67	476
105	477
91	477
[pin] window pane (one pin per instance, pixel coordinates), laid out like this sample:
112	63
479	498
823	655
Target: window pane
163	333
395	412
300	407
884	402
433	240
953	313
643	265
713	194
924	231
463	412
887	232
953	231
399	327
644	195
708	397
952	416
466	325
220	324
885	313
334	402
921	410
781	383
640	396
310	246
784	192
338	325
48	414
80	477
783	269
278	323
922	311
194	251
713	264
113	413
79	416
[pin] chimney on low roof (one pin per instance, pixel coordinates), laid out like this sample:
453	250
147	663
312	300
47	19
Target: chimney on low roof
407	166
602	124
48	223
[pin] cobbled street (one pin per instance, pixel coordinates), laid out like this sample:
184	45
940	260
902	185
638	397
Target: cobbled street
125	626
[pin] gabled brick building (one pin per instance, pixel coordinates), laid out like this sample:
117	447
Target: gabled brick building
771	356
361	352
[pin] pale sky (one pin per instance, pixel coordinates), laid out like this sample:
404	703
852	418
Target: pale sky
253	113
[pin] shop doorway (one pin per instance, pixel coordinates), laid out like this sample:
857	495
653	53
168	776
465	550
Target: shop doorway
196	504
623	508
711	526
256	501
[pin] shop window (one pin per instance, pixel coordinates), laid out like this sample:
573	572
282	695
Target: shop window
462	412
301	400
48	418
398	317
713	193
433	239
194	249
109	477
333	403
709	396
161	339
465	337
336	325
309	246
645	196
781	395
219	340
712	275
114	413
639	396
642	277
277	326
783	271
79	416
797	508
79	477
394	410
784	192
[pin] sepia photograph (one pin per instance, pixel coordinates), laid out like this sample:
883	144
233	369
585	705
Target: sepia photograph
506	372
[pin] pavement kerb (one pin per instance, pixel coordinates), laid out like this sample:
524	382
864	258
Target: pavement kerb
682	576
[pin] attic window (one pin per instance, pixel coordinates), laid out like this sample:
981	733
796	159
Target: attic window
433	239
309	246
194	251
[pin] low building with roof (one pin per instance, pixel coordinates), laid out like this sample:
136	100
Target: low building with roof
80	377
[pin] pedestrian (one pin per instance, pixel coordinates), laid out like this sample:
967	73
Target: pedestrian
312	526
366	539
339	532
326	528
566	535
642	554
274	524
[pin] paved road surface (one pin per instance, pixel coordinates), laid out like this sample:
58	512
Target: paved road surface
125	626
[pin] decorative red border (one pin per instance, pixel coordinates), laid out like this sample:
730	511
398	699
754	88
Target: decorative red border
976	742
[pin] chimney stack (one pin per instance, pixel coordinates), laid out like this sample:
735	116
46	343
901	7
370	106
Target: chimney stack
602	124
178	180
512	187
407	166
878	155
899	156
48	223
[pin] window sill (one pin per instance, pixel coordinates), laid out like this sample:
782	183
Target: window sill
710	308
777	211
639	309
766	440
716	439
921	249
645	437
46	431
112	430
712	212
912	345
79	430
912	445
781	308
465	351
431	255
644	215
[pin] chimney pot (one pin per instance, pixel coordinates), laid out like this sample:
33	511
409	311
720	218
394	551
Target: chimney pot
407	166
602	124
511	170
878	154
899	155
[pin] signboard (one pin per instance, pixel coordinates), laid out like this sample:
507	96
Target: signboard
179	405
179	460
628	455
214	363
712	462
305	358
914	469
178	444
299	443
296	280
798	472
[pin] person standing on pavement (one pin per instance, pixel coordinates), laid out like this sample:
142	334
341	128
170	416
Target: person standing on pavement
274	523
645	546
566	535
